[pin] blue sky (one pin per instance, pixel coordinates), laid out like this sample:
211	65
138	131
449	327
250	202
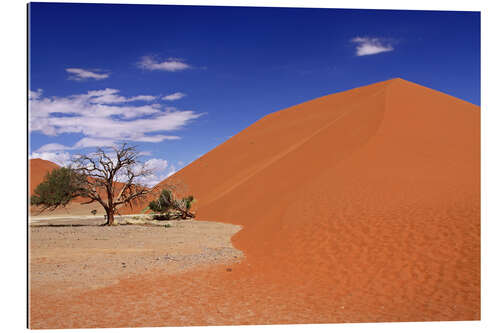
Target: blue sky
179	80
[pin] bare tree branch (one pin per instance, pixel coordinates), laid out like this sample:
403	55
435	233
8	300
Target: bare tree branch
102	173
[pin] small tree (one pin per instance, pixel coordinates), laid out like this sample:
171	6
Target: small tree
59	187
110	179
169	206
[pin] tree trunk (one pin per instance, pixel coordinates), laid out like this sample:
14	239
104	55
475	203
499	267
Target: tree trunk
110	217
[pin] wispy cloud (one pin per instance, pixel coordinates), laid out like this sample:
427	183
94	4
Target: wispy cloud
169	65
146	98
110	96
156	164
60	158
80	74
35	94
161	170
369	46
50	147
102	122
174	96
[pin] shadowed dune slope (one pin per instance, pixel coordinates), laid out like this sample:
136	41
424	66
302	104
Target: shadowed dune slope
369	196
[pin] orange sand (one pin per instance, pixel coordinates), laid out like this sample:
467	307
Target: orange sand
359	206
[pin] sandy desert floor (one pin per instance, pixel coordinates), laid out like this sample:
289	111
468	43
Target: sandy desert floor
76	257
188	274
72	209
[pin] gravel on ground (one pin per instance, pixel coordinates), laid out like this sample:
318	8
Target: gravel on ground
80	254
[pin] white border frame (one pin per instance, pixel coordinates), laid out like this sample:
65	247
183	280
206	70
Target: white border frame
14	149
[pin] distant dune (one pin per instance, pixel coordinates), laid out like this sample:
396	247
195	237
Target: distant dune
38	169
370	196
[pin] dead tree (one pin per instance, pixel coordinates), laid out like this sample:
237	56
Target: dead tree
111	178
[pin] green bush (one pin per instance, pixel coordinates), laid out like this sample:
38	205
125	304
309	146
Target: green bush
167	207
59	187
164	202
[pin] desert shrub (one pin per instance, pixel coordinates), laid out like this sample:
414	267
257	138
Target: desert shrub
164	202
167	207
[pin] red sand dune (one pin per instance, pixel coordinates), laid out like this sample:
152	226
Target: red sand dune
370	195
358	206
38	169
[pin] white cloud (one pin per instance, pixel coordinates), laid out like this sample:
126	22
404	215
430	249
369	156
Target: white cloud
174	96
146	98
108	99
52	147
82	143
104	119
370	46
35	94
80	74
60	158
157	138
109	96
161	170
93	142
156	164
169	65
102	92
102	124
